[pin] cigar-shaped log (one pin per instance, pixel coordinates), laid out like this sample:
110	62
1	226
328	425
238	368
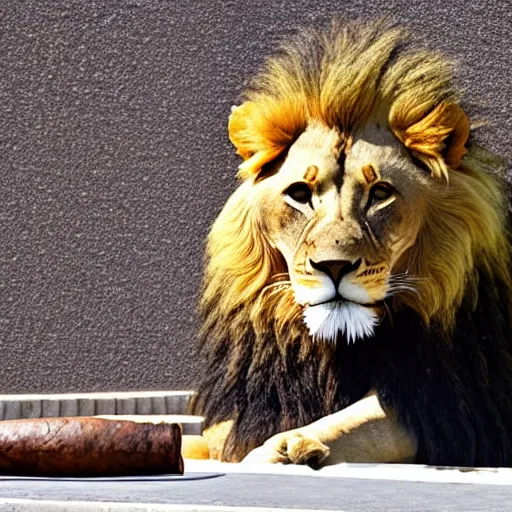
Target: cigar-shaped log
88	447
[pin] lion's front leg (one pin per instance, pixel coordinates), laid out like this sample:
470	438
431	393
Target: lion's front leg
363	432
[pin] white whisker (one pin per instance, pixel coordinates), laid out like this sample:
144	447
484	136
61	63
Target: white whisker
393	290
402	282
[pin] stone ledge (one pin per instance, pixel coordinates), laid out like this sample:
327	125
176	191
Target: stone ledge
90	404
150	406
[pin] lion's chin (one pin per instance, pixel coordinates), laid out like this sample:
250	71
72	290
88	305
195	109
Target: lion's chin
355	321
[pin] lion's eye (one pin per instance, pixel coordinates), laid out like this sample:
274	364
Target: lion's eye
380	192
299	192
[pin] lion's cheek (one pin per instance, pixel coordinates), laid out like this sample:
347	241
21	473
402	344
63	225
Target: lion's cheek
403	233
354	292
367	290
282	227
313	290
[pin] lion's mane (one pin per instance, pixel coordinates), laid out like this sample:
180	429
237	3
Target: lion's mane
442	358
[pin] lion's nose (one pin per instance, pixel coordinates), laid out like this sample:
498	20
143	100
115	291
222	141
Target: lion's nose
335	269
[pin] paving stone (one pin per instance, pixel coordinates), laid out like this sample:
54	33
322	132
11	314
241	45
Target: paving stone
12	410
51	409
143	406
31	409
126	406
86	407
158	405
107	406
69	407
177	404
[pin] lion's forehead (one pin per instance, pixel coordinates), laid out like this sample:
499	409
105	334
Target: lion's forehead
382	152
320	147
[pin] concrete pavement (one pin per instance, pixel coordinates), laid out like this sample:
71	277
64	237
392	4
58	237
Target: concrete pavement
265	488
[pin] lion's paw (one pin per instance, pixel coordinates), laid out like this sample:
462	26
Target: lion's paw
292	447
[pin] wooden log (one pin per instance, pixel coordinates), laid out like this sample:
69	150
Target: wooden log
88	447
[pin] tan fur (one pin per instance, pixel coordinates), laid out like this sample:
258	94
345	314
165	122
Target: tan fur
215	437
384	113
195	447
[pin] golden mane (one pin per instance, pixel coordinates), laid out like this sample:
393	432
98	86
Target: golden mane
344	77
244	271
464	230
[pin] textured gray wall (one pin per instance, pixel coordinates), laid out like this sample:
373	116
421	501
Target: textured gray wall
115	160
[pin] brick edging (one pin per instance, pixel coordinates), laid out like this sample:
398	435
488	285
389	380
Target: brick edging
162	403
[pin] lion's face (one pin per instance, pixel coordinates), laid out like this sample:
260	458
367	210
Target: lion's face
357	186
342	213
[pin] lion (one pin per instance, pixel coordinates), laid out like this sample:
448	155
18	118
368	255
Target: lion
357	298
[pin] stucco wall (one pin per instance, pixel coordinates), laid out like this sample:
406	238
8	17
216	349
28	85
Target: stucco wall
115	160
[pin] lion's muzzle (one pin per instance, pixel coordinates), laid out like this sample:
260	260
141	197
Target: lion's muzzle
340	297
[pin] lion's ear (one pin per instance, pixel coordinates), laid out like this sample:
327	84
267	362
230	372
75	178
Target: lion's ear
246	132
441	134
239	128
254	138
